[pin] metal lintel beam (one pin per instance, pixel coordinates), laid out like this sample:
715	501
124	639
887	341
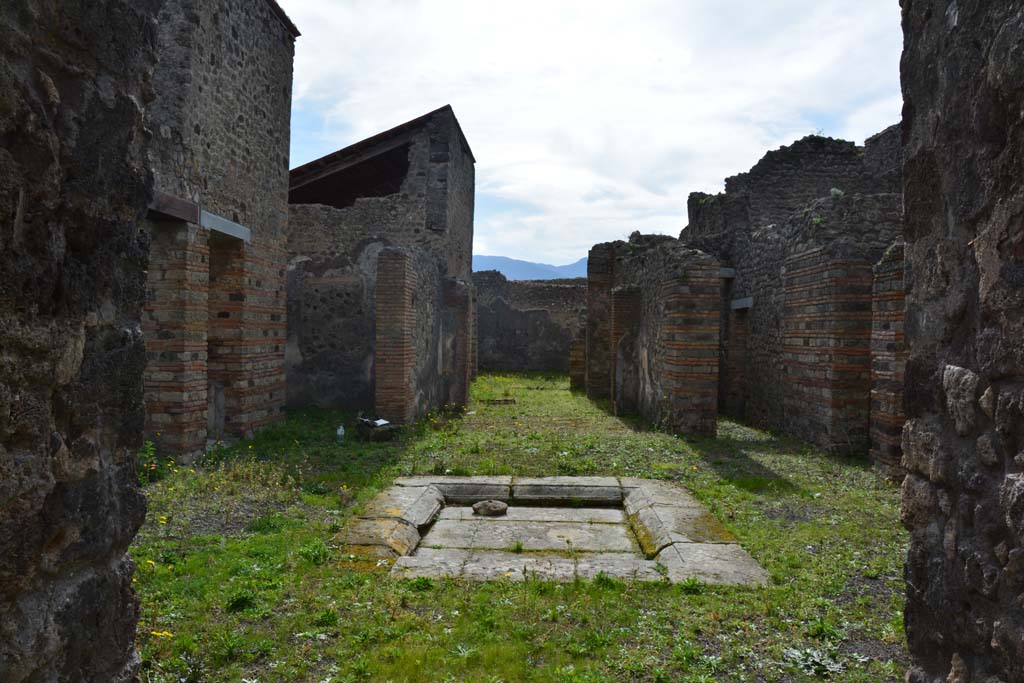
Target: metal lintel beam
740	304
167	206
726	273
212	221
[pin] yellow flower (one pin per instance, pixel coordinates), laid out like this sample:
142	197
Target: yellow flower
163	519
250	447
151	563
161	634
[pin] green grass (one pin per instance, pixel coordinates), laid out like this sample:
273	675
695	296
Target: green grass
241	579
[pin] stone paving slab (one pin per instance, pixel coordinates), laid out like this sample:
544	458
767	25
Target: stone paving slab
628	566
659	492
496	565
542	514
431	563
584	490
713	563
602	482
493	565
417	505
462	490
556	536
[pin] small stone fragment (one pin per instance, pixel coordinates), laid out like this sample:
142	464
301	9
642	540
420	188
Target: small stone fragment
988	403
961	386
490	508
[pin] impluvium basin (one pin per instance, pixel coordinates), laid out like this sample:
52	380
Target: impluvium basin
556	528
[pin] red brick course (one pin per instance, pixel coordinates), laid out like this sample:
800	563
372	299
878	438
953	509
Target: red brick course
826	349
888	362
395	351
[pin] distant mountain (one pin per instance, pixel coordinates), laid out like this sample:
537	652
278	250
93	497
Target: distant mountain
514	269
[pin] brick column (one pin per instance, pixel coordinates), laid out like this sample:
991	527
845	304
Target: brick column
826	350
247	335
690	341
626	310
174	323
600	279
888	361
394	355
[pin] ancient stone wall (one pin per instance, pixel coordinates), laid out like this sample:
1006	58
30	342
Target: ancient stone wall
527	325
341	220
598	353
73	189
221	123
826	349
332	303
422	338
578	365
888	360
625	318
665	309
652	331
963	496
818	195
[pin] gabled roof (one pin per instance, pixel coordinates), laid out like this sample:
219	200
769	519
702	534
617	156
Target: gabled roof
369	148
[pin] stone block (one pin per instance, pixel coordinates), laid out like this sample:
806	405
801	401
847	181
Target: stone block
432	563
396	534
464	490
571	490
544	514
712	563
416	505
626	566
491	565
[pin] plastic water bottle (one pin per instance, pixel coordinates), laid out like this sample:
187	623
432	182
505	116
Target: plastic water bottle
341	433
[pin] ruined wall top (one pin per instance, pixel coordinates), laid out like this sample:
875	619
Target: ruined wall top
222	114
412	185
786	180
562	298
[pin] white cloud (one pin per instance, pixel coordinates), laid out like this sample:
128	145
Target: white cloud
598	116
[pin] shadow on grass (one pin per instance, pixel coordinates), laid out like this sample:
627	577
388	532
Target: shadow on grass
728	457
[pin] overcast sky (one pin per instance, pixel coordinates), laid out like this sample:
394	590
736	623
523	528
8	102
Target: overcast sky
590	119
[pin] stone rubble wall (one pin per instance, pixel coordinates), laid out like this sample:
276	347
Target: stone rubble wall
817	194
597	340
332	302
333	273
221	124
653	323
888	362
963	444
527	325
578	365
73	190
